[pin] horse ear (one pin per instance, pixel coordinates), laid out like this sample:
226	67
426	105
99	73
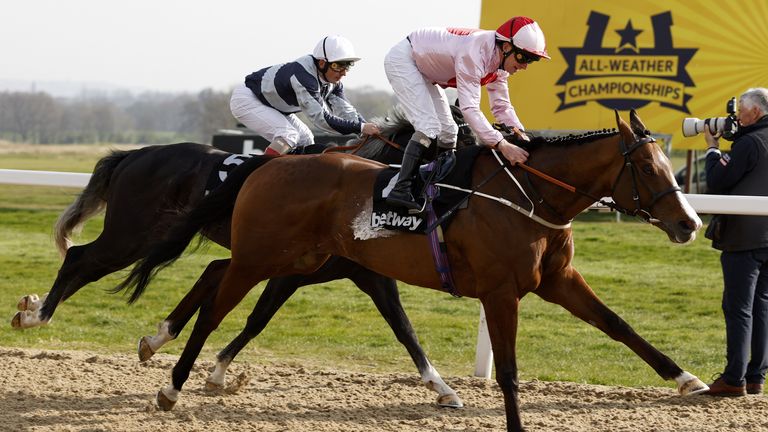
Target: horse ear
620	121
637	125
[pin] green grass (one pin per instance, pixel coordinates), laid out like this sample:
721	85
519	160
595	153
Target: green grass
669	293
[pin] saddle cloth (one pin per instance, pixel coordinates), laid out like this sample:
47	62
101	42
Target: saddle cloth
397	218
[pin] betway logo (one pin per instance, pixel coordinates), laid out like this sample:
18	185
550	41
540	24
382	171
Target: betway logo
390	218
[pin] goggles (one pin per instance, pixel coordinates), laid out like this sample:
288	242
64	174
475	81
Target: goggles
524	57
341	66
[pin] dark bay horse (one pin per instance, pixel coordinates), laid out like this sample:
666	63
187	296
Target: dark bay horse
146	191
496	255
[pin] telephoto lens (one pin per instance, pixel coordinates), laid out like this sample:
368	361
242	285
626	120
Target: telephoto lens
693	126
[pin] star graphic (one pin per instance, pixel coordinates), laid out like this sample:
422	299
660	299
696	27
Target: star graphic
628	37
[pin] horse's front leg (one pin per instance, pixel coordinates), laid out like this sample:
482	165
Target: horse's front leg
169	329
383	292
501	310
82	265
569	290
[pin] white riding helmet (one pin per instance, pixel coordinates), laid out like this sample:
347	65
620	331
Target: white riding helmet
335	49
525	34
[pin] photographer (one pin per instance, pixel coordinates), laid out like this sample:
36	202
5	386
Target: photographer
743	241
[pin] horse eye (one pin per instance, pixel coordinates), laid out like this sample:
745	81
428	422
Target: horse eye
647	169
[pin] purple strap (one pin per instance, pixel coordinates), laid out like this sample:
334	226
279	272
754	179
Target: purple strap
437	244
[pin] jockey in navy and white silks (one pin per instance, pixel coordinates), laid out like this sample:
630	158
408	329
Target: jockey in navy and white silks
430	59
269	99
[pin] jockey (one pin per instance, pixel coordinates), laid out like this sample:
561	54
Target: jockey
430	59
269	99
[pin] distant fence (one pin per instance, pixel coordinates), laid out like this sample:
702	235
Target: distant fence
703	204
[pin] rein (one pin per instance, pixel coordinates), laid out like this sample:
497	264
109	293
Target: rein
365	140
640	212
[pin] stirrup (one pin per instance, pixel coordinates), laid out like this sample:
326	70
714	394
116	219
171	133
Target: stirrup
405	202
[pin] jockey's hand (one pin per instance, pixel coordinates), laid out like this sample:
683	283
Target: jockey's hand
511	152
370	129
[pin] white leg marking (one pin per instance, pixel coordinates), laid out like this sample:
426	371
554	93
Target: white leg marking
161	338
171	393
689	385
219	374
28	319
446	396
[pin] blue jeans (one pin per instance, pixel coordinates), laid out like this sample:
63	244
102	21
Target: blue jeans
745	306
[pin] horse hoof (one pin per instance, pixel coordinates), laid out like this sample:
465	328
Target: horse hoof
449	401
211	386
163	402
16	321
145	351
693	387
26	301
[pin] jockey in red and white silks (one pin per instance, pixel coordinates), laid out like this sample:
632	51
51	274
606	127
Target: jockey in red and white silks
429	59
269	99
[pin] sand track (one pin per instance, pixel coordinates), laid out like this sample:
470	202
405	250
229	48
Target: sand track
81	391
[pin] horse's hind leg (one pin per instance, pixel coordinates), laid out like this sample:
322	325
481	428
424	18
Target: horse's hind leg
169	329
82	265
237	281
573	293
274	296
383	291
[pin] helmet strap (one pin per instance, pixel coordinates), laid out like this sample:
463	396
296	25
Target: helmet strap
504	55
323	69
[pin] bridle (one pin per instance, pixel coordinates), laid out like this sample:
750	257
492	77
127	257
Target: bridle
644	213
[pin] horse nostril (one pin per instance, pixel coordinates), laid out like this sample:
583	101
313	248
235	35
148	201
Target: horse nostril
687	226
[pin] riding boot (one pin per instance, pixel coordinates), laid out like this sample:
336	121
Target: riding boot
402	194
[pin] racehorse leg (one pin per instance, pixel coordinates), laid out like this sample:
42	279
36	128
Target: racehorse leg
82	265
169	329
275	294
570	291
383	291
235	284
501	310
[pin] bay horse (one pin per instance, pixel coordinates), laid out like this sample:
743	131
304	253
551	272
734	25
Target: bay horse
146	191
283	224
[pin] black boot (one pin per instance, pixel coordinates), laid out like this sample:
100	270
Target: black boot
402	195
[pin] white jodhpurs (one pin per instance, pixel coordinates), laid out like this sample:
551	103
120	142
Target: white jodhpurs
425	104
267	121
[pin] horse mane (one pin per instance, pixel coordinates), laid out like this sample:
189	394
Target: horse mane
394	122
538	141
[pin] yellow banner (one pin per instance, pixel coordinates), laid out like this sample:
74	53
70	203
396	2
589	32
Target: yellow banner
667	60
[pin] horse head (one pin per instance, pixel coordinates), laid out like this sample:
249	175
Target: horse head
646	185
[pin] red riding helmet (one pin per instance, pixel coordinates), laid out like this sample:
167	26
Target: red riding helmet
525	34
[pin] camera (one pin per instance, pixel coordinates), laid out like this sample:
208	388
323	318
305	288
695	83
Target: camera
728	126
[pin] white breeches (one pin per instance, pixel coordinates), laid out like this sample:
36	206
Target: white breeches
267	121
425	104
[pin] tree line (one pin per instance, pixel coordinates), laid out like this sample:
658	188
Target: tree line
147	118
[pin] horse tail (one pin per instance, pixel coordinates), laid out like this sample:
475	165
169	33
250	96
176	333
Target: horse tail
215	207
90	202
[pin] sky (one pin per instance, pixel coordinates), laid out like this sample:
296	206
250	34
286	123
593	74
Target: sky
171	45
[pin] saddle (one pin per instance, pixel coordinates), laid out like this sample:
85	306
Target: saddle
453	168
